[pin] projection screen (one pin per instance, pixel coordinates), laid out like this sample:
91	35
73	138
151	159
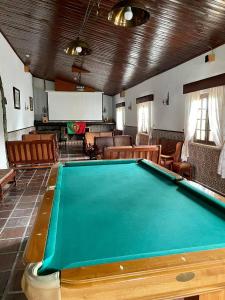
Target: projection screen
80	106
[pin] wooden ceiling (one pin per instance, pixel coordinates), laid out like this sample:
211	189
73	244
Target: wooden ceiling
177	31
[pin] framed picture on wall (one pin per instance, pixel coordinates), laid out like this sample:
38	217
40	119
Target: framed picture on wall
31	104
16	96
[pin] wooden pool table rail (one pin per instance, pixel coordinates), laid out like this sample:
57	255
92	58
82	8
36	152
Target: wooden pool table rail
165	277
35	247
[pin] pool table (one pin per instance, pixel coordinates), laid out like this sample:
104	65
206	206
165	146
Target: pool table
125	230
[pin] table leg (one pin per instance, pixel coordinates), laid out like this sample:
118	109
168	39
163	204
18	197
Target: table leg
220	295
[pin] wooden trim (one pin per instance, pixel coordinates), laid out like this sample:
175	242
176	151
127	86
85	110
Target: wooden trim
168	130
35	248
204	84
145	99
121	104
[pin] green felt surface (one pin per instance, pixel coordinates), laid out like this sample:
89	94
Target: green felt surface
121	211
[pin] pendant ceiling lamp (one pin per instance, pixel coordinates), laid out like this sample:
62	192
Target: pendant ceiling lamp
129	13
78	48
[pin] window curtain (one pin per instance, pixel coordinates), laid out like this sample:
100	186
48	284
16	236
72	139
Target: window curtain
216	111
192	104
144	117
120	118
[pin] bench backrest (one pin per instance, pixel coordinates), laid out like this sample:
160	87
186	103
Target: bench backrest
128	152
31	152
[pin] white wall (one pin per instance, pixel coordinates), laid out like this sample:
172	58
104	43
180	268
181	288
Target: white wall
13	75
3	160
41	96
171	117
107	105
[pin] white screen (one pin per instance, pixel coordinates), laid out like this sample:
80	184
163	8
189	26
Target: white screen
80	106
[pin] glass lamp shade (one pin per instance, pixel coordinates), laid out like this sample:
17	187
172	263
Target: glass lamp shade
78	48
129	13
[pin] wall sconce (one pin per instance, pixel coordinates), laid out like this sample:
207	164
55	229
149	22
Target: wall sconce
167	100
27	63
130	106
26	106
104	110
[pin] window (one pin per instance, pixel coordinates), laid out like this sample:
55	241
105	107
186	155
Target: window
203	133
120	117
143	110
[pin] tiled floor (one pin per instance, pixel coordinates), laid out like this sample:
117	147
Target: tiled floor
73	151
17	214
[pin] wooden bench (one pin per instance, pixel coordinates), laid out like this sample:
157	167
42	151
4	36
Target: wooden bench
128	152
6	176
32	154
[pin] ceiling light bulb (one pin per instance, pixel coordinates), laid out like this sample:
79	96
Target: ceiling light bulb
79	49
128	15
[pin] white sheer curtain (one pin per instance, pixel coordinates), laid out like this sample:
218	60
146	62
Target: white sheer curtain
144	117
216	111
192	104
120	118
216	98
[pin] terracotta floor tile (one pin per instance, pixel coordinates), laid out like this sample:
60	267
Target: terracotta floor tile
28	199
25	205
2	222
12	199
15	281
31	193
29	230
16	232
11	245
32	220
4	277
15	193
7	206
21	212
6	261
18	222
20	265
5	213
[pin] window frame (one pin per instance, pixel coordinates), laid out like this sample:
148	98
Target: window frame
122	109
207	130
145	104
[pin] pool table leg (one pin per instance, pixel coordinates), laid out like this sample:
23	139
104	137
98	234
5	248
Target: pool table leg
219	295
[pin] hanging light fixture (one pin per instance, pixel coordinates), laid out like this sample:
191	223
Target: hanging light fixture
129	13
78	48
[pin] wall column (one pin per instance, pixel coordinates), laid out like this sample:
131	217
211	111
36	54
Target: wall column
3	129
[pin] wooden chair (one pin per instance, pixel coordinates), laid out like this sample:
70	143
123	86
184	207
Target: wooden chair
168	160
